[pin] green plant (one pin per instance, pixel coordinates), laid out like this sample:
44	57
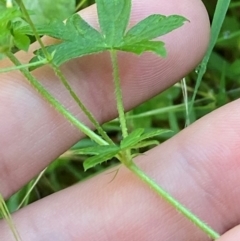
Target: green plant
78	41
219	16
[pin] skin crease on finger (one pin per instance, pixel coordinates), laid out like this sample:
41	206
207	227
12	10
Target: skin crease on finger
31	132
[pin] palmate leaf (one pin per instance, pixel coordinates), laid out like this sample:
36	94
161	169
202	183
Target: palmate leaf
78	38
134	140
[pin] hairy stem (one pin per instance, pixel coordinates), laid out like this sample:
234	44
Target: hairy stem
44	61
62	78
81	105
56	104
167	197
30	22
118	93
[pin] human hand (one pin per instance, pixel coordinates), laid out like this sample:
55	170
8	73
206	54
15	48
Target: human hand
232	235
195	166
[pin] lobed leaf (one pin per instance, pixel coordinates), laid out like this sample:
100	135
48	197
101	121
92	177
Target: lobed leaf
78	38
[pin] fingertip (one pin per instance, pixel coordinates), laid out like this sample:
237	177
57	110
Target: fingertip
187	45
231	235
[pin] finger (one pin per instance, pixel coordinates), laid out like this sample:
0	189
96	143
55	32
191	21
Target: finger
232	235
32	133
199	167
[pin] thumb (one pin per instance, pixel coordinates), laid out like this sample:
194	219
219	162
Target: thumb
231	235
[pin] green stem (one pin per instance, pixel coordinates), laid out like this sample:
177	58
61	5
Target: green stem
62	78
23	66
167	197
118	93
30	22
56	104
33	184
126	155
7	216
81	105
80	4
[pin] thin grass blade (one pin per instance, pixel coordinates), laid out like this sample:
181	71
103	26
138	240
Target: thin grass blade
218	18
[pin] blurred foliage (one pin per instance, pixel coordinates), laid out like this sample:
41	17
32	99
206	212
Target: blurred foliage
221	84
44	11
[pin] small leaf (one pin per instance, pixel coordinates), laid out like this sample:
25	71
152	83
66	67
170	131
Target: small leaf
21	41
141	47
5	40
9	14
7	18
132	139
146	143
153	134
94	160
152	27
113	18
96	150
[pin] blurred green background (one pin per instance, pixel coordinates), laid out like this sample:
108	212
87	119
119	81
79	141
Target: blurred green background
220	85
